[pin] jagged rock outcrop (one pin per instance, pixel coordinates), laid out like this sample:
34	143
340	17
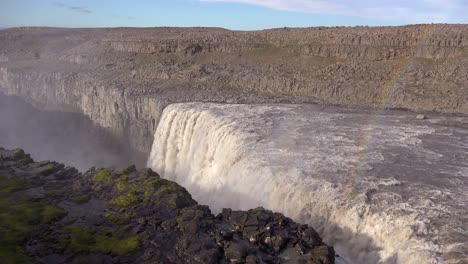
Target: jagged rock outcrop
122	78
51	213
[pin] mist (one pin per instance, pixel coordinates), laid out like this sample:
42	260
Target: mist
69	138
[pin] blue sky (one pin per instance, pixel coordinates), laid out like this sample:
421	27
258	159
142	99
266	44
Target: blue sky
232	14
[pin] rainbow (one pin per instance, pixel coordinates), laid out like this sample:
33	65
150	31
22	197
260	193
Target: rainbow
379	106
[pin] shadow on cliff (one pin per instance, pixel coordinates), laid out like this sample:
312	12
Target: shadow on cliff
69	138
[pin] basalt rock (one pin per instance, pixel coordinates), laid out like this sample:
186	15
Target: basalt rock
51	213
122	78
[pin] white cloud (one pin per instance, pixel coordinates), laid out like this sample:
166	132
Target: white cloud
74	8
415	11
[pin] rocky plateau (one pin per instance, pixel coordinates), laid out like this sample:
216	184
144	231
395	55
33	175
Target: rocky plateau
122	78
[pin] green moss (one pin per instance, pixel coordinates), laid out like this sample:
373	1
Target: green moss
169	188
124	177
173	200
125	200
179	199
104	176
80	199
12	254
26	160
121	186
20	215
165	186
116	218
22	157
8	186
112	245
16	220
147	195
257	211
183	243
78	238
149	173
51	213
129	169
121	183
47	170
154	182
19	154
87	240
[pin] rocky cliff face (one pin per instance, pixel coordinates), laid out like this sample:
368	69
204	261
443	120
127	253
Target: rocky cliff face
51	213
123	78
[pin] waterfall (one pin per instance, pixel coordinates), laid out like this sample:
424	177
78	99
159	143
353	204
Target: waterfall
245	156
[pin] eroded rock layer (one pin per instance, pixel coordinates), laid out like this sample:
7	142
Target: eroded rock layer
122	78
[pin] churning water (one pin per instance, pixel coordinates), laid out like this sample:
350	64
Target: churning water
379	188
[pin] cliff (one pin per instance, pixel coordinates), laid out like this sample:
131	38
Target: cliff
51	213
122	78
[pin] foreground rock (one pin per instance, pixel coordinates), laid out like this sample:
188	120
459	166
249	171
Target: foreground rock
50	213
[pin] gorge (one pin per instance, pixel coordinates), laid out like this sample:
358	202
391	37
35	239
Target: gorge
378	185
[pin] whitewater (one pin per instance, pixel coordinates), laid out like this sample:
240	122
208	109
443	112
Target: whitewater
379	187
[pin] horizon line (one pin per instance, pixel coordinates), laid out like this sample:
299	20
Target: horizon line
232	29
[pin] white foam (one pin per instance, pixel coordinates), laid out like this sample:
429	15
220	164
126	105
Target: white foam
301	163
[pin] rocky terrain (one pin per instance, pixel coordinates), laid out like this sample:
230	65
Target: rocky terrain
122	78
117	82
51	213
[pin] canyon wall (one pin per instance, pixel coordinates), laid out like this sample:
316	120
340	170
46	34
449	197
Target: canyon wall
123	78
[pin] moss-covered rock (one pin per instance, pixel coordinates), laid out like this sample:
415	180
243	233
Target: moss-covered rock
121	183
129	169
19	216
47	170
22	157
103	177
46	211
83	239
80	199
125	200
117	218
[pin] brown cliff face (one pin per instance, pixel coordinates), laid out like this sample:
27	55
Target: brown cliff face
122	78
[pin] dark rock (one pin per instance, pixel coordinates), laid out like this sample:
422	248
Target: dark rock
106	216
323	255
235	252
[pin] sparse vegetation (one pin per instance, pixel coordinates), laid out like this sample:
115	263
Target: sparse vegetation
19	154
54	193
165	186
143	215
80	199
20	215
52	213
117	218
121	183
129	169
87	240
22	157
104	177
47	170
125	200
180	199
